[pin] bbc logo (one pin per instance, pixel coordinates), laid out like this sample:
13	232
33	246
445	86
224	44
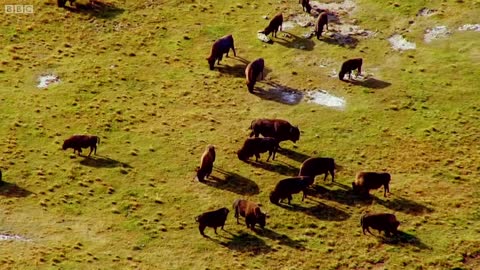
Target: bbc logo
19	9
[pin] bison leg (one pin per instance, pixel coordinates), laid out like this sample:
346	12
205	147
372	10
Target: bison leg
332	172
304	195
220	59
91	149
236	215
289	198
201	228
257	156
234	53
215	229
269	155
325	178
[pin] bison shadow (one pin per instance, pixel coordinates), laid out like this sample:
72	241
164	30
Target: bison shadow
285	169
341	40
294	155
280	93
12	190
407	206
103	162
282	239
233	71
245	242
233	182
96	8
320	211
370	83
290	40
404	239
344	195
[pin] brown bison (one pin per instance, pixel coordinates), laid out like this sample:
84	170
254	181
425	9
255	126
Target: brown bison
77	142
317	166
220	47
286	187
350	65
206	163
252	71
305	5
274	25
381	222
212	219
365	181
255	146
279	129
251	211
322	21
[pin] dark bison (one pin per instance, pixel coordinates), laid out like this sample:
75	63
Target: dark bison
279	129
220	47
350	65
317	166
274	25
252	71
381	222
322	21
251	211
77	142
212	219
286	187
305	5
255	146
61	3
206	163
1	182
365	181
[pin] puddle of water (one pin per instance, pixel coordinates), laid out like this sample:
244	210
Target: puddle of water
45	80
470	27
399	43
435	33
286	96
14	237
322	97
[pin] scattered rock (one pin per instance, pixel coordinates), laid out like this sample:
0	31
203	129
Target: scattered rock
470	27
263	37
435	33
45	80
399	43
426	12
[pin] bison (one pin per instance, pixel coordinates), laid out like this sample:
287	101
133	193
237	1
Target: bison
274	25
77	142
206	163
286	187
252	71
350	65
61	3
381	222
1	182
317	166
276	128
212	219
305	5
220	47
365	181
255	146
251	211
322	21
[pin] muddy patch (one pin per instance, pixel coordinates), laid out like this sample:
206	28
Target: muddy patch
12	237
399	43
470	27
45	80
436	33
322	97
284	95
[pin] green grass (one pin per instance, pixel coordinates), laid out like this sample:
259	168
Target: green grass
138	78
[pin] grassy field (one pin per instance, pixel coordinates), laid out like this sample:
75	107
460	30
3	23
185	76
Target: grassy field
136	76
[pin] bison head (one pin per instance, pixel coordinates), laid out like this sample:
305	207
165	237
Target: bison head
211	62
294	134
274	198
66	145
242	155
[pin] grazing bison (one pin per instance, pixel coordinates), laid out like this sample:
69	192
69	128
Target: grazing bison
365	181
77	142
255	146
276	128
305	5
61	3
252	71
251	211
206	163
381	222
322	21
316	166
286	187
350	65
274	25
212	219
220	47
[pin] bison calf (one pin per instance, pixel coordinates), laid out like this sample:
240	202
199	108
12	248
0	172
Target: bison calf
206	163
286	187
252	71
251	211
77	142
276	128
322	21
350	65
365	181
212	219
274	25
219	48
381	222
317	166
255	146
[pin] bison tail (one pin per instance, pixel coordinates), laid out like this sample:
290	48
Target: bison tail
98	140
361	221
